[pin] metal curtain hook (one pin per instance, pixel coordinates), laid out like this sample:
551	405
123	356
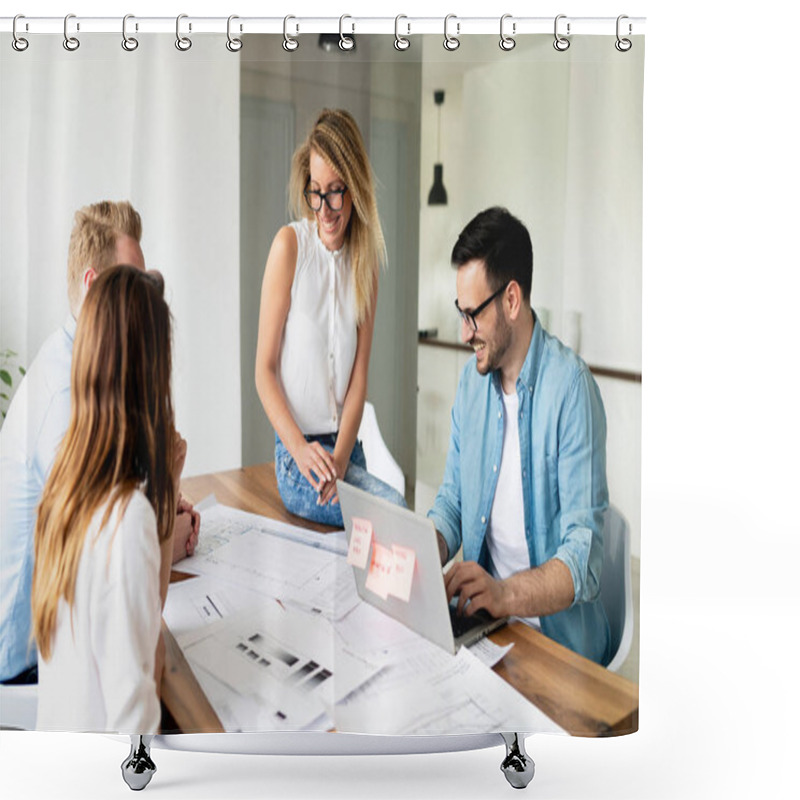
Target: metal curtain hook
451	42
507	42
18	42
71	43
346	42
561	43
623	45
400	42
129	43
234	44
290	44
183	43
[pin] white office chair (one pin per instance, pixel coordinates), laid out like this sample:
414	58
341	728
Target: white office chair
616	592
18	707
379	460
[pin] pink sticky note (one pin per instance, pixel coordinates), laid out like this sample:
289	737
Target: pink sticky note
404	559
360	539
379	578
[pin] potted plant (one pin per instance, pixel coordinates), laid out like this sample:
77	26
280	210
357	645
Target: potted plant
11	373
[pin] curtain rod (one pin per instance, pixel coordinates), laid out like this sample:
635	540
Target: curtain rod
452	26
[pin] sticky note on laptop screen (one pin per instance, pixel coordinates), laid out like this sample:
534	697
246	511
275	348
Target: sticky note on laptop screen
360	538
403	559
379	578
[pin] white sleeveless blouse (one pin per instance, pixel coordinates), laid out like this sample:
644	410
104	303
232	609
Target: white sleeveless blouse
320	335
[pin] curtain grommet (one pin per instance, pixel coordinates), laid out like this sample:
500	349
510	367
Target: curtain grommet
290	43
451	43
70	43
234	43
400	42
19	43
560	43
182	43
129	43
346	43
623	45
507	42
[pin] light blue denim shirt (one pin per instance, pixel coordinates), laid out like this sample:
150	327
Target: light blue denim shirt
562	439
29	439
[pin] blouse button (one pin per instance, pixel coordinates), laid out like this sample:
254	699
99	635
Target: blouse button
483	520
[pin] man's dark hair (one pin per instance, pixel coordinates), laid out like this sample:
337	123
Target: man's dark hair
503	243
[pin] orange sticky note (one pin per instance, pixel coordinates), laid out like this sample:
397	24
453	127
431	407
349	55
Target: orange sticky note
360	539
403	559
379	578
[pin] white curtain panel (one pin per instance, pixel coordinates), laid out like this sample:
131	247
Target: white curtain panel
161	129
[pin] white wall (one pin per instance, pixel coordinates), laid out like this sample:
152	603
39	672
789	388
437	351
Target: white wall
555	138
159	128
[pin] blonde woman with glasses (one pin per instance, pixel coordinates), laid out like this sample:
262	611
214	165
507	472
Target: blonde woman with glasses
103	533
318	301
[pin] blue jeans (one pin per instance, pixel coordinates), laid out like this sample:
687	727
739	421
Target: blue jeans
300	497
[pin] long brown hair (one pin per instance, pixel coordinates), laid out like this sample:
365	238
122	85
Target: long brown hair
336	137
120	434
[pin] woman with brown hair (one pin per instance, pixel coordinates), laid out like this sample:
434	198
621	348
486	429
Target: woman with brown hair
103	533
317	315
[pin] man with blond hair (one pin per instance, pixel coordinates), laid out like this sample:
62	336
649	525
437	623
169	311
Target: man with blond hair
104	234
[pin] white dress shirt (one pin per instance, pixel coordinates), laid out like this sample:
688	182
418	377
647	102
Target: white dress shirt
320	336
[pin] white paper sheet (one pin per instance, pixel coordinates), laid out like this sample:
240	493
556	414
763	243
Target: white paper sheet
460	696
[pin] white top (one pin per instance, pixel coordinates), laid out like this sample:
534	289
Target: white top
505	535
320	336
100	673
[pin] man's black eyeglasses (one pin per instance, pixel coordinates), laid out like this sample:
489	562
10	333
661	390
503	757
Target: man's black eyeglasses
469	316
334	199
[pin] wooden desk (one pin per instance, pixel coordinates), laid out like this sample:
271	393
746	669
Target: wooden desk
582	697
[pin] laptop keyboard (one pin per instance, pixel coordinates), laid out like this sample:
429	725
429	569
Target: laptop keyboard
462	624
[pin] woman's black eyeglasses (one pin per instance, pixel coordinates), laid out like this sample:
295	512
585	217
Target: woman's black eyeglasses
469	316
334	199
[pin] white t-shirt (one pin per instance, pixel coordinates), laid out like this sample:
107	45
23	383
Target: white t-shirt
505	534
320	336
100	673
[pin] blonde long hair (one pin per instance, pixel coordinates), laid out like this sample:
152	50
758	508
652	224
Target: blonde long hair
120	434
336	137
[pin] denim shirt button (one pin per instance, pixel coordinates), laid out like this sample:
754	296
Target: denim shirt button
495	467
483	520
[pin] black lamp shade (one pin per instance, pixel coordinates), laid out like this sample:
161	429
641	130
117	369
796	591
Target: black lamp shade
438	194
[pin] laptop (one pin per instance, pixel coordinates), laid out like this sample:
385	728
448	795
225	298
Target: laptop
427	611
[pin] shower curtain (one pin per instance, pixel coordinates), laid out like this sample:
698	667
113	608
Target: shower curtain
200	141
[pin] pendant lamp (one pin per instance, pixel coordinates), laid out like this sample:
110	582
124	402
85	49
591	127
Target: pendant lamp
438	194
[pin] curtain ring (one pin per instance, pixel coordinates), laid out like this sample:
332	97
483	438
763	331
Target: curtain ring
346	42
183	43
623	45
290	44
451	42
400	42
507	42
234	44
560	43
71	43
19	43
129	43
